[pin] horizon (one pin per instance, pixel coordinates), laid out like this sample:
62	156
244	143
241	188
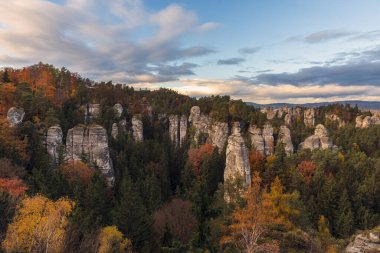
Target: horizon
272	52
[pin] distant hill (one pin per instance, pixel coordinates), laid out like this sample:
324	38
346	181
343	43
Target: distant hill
364	105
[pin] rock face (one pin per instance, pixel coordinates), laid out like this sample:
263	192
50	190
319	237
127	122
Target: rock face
237	163
15	116
268	139
257	140
91	143
288	119
365	242
269	111
309	117
92	111
320	139
219	135
366	121
286	139
137	128
182	129
174	129
336	118
54	137
118	110
201	123
114	131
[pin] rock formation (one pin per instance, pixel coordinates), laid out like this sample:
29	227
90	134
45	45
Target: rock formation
15	116
137	128
309	117
174	129
285	137
269	111
90	143
257	140
365	242
320	139
219	135
118	108
182	129
200	122
288	119
336	118
366	121
115	131
92	111
268	139
53	141
237	162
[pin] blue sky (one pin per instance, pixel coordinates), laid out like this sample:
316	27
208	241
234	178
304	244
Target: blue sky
260	51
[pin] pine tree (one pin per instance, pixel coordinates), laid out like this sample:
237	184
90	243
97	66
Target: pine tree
6	78
344	221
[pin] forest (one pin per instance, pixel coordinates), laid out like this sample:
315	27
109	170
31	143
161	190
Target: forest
168	197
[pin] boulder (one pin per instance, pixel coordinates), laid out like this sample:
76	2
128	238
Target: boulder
90	143
286	139
237	161
257	140
368	241
53	141
309	117
219	135
137	128
118	108
15	116
268	139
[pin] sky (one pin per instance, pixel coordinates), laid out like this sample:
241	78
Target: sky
293	51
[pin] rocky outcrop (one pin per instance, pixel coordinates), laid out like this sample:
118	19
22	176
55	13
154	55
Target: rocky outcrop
137	128
365	242
320	139
237	162
257	140
219	135
201	123
115	131
288	119
53	142
309	117
268	139
90	143
182	129
269	111
285	138
92	112
174	129
15	116
118	108
366	121
335	118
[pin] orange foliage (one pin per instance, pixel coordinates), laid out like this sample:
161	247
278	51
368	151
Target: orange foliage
307	168
74	169
14	186
7	91
196	157
256	160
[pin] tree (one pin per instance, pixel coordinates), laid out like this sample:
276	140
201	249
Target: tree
75	169
6	78
307	168
111	240
39	225
14	186
344	221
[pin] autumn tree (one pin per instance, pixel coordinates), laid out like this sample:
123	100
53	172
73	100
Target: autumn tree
111	240
196	157
14	186
307	168
76	169
39	225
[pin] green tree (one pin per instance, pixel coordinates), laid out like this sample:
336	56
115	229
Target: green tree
344	221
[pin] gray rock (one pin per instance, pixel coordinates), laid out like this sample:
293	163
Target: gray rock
333	117
182	129
137	128
365	242
237	162
269	111
219	135
288	119
286	139
201	123
320	139
15	116
268	139
118	110
174	129
53	141
257	140
367	121
91	144
115	131
92	112
309	117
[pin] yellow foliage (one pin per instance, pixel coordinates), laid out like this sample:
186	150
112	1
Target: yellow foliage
111	240
39	225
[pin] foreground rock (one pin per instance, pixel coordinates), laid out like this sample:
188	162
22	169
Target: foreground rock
365	242
320	139
15	116
219	135
285	138
137	128
90	143
257	140
53	142
237	162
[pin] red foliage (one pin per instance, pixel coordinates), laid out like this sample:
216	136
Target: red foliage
74	169
307	168
196	157
14	186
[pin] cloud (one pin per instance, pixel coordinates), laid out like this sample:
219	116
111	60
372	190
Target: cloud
249	50
101	39
231	61
208	26
321	36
